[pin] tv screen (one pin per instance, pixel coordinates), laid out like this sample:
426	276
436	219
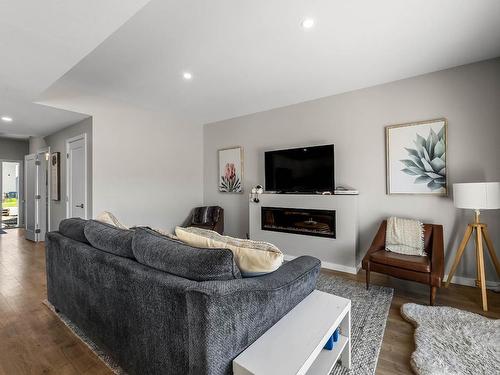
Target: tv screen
300	170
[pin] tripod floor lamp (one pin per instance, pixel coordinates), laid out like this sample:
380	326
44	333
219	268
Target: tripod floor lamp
477	196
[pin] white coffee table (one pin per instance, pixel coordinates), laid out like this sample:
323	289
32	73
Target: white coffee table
294	345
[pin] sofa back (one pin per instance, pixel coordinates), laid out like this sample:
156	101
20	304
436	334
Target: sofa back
153	249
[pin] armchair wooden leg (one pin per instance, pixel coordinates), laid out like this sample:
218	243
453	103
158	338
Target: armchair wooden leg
368	277
433	295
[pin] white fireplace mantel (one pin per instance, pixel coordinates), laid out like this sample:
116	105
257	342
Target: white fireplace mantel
335	253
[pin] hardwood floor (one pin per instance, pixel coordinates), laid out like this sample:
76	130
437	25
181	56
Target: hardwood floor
33	341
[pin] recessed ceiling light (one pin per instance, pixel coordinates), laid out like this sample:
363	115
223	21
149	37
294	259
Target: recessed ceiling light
307	23
6	119
187	76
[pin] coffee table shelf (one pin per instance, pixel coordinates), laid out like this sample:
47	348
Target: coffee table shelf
294	345
326	359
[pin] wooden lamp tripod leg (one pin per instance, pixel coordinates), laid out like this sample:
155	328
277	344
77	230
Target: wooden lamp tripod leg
460	252
491	250
480	260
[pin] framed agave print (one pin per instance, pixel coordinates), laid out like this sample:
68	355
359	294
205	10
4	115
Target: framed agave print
231	170
416	158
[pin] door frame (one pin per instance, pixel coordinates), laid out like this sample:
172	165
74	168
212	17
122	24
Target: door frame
32	236
20	193
68	173
46	158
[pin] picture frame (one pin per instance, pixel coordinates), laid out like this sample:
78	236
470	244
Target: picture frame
55	176
416	157
230	178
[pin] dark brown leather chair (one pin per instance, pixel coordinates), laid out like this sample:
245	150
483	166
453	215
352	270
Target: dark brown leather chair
211	217
423	269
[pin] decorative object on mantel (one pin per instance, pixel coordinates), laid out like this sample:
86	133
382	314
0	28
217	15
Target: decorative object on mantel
452	341
231	170
256	191
345	190
416	158
477	196
55	176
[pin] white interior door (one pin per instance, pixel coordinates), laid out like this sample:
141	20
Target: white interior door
37	195
76	177
42	195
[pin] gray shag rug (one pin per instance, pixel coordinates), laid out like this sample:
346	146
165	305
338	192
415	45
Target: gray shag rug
369	310
451	341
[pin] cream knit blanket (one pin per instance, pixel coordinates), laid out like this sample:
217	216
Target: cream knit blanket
404	236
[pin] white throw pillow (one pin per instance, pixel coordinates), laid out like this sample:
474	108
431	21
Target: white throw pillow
253	258
108	218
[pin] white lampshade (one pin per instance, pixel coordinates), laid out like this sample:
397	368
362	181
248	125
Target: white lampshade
477	195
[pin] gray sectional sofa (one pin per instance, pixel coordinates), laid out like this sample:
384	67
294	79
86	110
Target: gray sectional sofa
157	306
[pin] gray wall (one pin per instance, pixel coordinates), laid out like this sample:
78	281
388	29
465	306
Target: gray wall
57	143
467	96
147	165
13	149
36	143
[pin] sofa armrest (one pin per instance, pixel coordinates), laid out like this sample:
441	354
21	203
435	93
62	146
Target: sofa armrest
437	255
225	317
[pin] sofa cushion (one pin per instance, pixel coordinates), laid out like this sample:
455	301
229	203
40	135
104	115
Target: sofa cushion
107	237
254	258
409	262
165	254
73	228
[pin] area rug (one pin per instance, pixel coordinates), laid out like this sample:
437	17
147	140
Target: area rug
369	309
113	366
451	341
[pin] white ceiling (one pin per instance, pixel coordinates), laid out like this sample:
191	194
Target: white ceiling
250	56
39	42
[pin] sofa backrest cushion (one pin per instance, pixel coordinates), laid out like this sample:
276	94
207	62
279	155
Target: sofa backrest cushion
109	238
165	254
73	228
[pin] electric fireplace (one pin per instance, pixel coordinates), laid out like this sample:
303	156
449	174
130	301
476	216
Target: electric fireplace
309	222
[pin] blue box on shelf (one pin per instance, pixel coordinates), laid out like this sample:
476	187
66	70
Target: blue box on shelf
330	344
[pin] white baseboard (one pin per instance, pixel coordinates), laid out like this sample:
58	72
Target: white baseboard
331	266
469	281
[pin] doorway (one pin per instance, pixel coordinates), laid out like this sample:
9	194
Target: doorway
11	194
76	176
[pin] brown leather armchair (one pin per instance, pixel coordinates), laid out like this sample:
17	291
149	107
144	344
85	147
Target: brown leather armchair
210	217
423	269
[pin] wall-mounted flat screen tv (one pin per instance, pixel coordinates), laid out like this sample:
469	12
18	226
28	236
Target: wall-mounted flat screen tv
300	170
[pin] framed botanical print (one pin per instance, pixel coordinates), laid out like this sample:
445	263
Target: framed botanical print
55	176
231	170
416	157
